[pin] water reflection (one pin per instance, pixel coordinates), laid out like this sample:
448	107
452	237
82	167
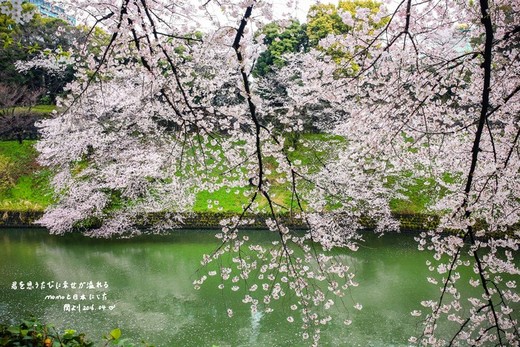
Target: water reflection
256	317
150	284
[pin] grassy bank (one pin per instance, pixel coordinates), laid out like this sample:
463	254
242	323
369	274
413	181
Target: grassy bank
25	186
42	110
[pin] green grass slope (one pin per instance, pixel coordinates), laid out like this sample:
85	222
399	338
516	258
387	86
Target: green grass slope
25	186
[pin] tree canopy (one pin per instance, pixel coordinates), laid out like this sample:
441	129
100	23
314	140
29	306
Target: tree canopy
326	19
279	41
33	39
322	20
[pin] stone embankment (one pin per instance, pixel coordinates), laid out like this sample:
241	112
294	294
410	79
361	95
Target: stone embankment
207	220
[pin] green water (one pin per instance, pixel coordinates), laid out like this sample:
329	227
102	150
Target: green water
150	293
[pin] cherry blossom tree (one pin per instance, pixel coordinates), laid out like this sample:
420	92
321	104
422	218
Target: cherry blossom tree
437	94
163	112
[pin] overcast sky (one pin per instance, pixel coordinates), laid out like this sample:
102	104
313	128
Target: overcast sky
281	9
300	7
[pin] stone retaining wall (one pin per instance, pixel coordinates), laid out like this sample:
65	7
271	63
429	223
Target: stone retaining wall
17	219
208	220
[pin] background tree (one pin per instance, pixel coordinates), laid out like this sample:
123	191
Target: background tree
25	41
346	18
420	103
324	20
280	40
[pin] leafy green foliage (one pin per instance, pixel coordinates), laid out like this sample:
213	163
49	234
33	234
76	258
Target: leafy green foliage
279	41
114	339
327	19
322	20
32	333
21	42
24	185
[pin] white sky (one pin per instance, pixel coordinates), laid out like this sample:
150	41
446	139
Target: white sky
299	6
282	9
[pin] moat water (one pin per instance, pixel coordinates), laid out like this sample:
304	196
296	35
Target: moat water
144	286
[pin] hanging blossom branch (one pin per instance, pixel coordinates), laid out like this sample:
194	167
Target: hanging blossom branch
417	96
291	273
54	63
496	322
144	123
496	309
